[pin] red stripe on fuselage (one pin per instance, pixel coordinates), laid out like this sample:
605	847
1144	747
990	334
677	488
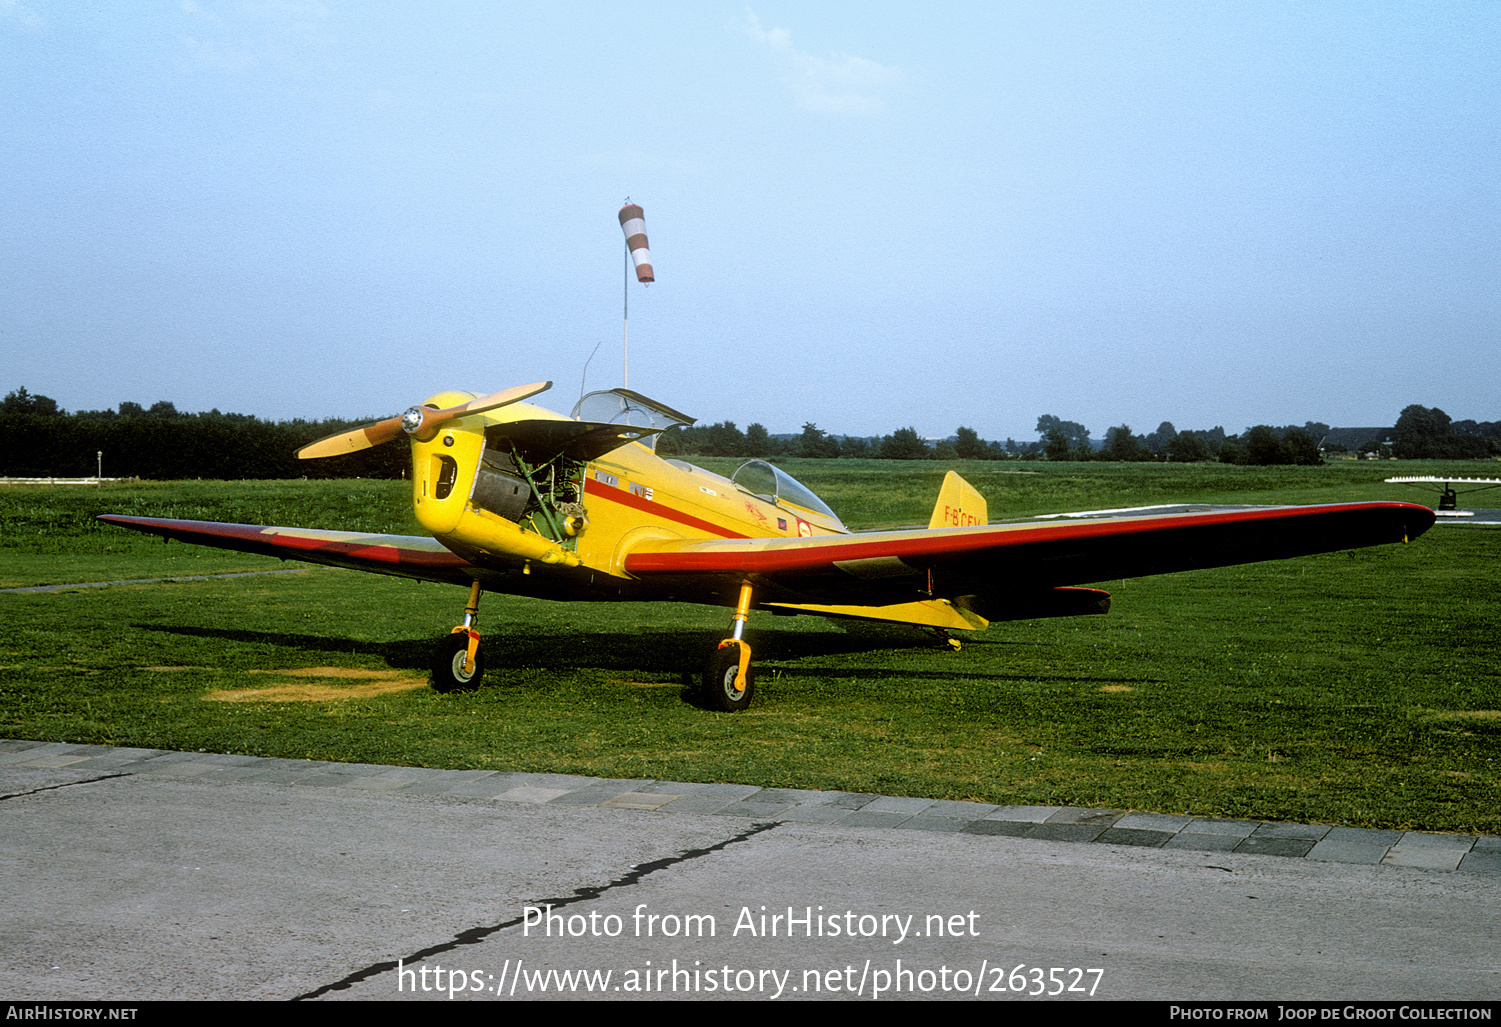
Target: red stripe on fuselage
599	490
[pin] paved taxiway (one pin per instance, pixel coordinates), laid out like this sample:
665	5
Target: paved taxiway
138	874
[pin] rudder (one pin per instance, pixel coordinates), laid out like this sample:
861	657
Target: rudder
959	504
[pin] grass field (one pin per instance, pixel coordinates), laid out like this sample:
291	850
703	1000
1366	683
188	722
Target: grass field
1361	688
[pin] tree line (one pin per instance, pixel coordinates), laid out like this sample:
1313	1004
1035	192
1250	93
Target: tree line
39	439
1262	445
1420	433
724	439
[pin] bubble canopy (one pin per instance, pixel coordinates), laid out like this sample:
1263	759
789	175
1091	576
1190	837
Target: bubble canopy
775	485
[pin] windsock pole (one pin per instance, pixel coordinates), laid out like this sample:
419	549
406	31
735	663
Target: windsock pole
626	317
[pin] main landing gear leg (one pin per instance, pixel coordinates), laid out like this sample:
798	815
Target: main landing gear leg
729	678
459	666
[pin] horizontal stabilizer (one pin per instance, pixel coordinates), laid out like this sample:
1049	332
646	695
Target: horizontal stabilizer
932	613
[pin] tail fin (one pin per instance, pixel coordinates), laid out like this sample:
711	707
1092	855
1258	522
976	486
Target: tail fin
958	504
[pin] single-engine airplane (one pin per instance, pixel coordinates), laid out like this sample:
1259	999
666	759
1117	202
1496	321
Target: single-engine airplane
526	501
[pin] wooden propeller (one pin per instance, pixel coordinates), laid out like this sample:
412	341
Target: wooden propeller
419	422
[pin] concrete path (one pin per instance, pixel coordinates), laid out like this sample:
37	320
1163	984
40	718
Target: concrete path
142	874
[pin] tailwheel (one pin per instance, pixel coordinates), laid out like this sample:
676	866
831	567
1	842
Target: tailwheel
450	670
719	689
947	639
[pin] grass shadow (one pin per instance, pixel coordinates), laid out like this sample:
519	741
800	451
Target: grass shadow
670	655
406	654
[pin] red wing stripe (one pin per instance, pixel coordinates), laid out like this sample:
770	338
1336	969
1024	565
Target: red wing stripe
773	556
423	553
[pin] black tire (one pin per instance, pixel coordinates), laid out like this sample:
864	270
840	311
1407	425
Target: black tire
717	691
448	666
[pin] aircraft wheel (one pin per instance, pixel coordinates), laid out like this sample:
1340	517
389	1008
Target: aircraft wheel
719	691
448	666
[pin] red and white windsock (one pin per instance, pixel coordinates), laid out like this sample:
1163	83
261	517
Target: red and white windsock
633	223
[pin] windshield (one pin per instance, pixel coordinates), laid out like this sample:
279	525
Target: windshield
622	406
775	485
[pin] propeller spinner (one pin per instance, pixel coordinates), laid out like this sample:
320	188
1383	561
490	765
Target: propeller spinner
420	422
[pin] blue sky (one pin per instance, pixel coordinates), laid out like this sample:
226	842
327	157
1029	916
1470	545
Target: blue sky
864	215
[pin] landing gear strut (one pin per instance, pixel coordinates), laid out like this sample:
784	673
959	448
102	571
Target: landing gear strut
458	665
947	639
729	679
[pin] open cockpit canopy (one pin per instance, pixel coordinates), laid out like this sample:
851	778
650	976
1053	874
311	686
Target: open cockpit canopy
622	406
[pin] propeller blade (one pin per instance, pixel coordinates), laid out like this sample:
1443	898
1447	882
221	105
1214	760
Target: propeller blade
426	422
498	399
352	441
432	418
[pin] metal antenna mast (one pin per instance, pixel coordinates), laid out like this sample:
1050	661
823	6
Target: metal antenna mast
625	282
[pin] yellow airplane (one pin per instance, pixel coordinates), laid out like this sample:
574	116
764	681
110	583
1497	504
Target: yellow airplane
526	501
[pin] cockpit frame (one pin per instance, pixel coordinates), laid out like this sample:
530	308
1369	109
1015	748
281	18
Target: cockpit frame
622	406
